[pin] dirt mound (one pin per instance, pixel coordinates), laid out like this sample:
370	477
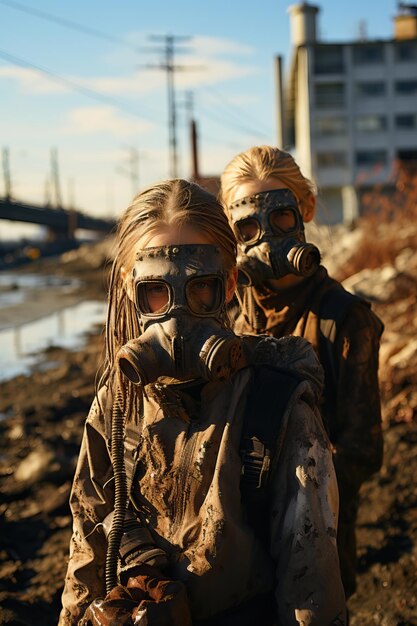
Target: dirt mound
41	422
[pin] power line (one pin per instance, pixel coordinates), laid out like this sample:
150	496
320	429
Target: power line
243	129
236	111
61	21
73	85
99	34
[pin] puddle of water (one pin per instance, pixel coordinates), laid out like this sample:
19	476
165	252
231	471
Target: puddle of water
14	287
21	347
10	298
31	281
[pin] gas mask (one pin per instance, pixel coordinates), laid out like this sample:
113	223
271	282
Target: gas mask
270	231
179	293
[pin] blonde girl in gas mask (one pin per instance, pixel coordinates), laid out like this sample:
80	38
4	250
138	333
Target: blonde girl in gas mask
204	492
285	291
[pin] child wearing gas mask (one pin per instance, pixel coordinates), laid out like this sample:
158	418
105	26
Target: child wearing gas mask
204	493
284	290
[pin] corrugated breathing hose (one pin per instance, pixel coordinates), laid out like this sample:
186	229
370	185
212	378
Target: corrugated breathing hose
120	489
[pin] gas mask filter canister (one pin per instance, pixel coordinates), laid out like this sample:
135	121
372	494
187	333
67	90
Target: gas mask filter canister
179	295
270	231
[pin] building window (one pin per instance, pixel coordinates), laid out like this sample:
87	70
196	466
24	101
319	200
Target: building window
406	121
371	158
408	156
328	60
331	159
370	123
406	87
335	125
405	51
330	95
372	89
368	53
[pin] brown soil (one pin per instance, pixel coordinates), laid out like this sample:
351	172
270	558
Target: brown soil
41	429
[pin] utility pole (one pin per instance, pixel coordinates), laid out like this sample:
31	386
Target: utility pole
281	143
55	177
168	65
192	126
47	191
132	169
6	174
72	214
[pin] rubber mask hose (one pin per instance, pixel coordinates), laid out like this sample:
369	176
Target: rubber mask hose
120	490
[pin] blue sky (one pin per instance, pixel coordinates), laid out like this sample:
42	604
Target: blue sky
116	103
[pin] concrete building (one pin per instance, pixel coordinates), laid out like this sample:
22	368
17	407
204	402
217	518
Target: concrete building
348	111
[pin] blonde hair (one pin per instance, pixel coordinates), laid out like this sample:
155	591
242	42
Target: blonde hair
263	163
172	203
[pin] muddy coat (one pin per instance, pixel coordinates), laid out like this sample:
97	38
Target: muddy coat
188	475
351	401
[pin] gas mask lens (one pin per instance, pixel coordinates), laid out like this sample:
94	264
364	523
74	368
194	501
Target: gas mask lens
282	221
204	294
248	230
153	297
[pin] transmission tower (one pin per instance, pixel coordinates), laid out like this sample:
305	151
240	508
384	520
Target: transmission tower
131	169
6	174
168	65
55	177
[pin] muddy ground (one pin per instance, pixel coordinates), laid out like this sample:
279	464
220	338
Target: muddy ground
41	428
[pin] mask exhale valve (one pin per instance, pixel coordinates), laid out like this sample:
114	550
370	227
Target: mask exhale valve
204	354
301	259
270	230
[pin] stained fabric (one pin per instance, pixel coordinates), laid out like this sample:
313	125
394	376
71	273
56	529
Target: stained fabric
351	402
187	485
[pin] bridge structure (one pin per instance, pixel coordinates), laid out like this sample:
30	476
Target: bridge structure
61	223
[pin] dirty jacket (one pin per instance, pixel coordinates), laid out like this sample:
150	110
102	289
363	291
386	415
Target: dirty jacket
351	402
188	477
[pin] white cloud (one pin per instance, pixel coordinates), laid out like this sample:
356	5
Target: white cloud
204	56
31	81
214	46
35	82
137	83
211	72
103	119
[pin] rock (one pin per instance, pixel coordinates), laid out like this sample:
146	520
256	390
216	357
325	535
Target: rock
404	357
40	464
35	465
383	284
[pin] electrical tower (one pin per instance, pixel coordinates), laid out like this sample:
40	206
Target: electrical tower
168	65
6	174
131	170
55	178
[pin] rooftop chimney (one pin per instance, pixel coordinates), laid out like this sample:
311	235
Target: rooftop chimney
405	23
303	23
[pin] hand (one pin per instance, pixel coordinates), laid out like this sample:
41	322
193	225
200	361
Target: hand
148	599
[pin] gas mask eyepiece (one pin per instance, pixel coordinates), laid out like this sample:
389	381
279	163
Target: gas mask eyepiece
180	302
270	231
